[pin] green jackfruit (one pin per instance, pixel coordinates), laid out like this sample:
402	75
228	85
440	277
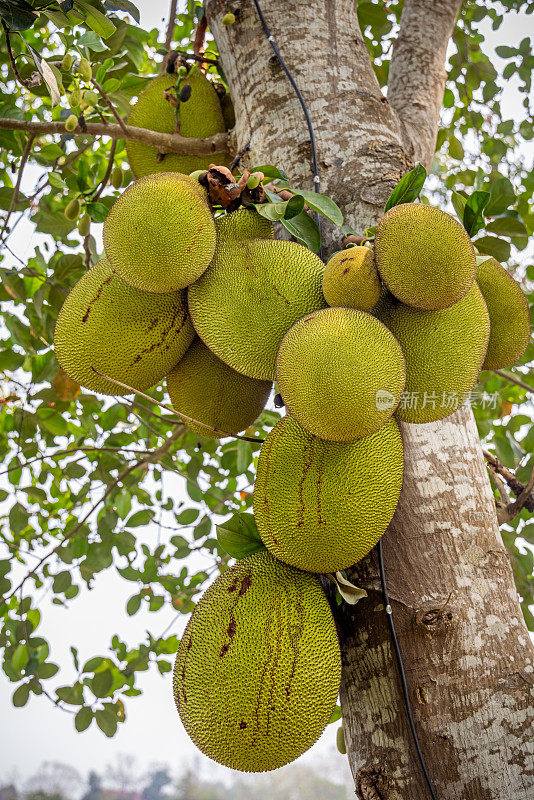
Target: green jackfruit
132	336
444	352
424	256
258	669
200	116
205	388
321	506
252	292
159	235
509	314
340	373
351	279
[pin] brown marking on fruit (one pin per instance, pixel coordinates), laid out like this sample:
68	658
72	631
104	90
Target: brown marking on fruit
246	583
97	295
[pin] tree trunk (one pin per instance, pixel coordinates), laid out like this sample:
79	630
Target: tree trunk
468	667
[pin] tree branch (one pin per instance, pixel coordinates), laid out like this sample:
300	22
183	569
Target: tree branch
171	24
15	197
109	168
165	142
109	104
515	485
514	379
417	73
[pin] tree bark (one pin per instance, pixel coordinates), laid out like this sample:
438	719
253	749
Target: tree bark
468	667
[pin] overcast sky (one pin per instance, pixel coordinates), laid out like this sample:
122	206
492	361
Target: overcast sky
152	732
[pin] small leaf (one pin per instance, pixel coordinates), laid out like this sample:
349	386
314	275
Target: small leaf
348	591
305	230
93	41
239	536
408	188
102	683
294	206
491	246
270	172
322	204
83	719
21	695
133	604
473	217
97	211
502	196
107	722
336	714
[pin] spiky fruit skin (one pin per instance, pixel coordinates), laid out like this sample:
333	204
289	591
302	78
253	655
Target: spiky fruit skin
424	256
200	116
509	314
321	506
341	373
251	294
351	279
159	236
258	668
444	352
132	336
206	389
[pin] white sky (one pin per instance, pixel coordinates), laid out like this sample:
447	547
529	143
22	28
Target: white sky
152	732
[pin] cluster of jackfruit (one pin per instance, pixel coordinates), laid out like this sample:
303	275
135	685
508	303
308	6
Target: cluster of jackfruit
222	309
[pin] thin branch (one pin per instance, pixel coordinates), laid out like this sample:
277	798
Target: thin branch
192	57
105	179
15	197
109	104
28	83
513	509
72	450
174	411
508	376
170	25
165	142
200	36
515	485
155	456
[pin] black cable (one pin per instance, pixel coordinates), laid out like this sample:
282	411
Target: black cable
404	684
270	37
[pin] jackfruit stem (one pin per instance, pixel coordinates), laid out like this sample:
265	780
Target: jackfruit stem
174	411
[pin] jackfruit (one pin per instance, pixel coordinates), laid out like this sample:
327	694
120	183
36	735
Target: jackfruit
159	235
424	256
252	292
200	116
258	668
340	373
444	352
351	279
321	506
132	336
205	388
509	314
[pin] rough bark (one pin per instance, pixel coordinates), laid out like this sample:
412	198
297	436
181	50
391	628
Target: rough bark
468	669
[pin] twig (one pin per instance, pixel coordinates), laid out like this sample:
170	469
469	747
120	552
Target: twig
165	142
72	450
515	485
200	36
87	250
105	179
15	196
174	411
154	456
508	376
170	25
193	57
513	509
29	83
109	104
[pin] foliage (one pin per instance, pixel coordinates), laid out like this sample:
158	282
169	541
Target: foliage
83	486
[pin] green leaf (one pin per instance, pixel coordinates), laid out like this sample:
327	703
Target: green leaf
322	204
107	722
124	5
102	683
21	695
272	211
502	196
142	517
97	21
271	172
62	581
83	719
93	41
491	246
336	714
408	188
473	217
19	658
19	15
239	536
458	201
507	226
97	211
305	230
294	206
133	604
187	517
